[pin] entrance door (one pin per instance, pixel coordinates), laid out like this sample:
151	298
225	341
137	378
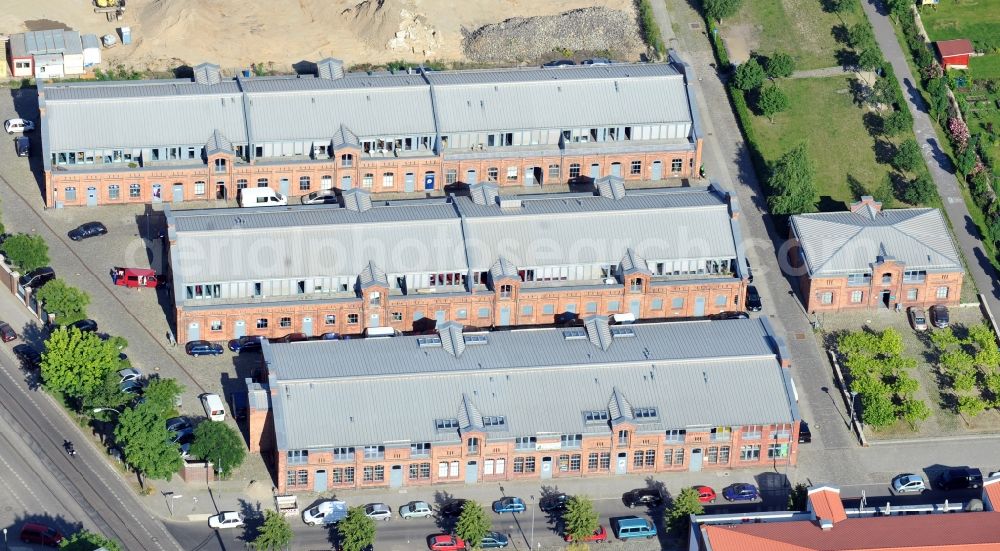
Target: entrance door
220	190
92	197
886	298
595	171
345	182
470	176
505	316
471	472
319	481
307	326
239	329
546	468
283	187
699	306
621	464
396	476
440	317
429	181
616	169
178	193
157	193
194	331
373	321
408	181
529	176
657	171
635	307
695	460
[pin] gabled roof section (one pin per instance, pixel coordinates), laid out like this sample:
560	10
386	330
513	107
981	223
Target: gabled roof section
825	504
357	200
344	138
959	46
503	269
838	243
610	187
620	407
371	276
484	193
452	338
632	263
468	414
218	143
598	331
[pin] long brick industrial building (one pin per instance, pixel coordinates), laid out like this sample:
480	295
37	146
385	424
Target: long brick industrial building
208	137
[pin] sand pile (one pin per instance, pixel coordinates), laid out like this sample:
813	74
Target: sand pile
393	25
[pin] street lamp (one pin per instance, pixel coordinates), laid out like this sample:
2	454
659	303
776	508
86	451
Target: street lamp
98	410
532	520
5	539
853	396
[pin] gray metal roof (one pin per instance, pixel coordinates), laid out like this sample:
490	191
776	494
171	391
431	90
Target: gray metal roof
837	243
693	373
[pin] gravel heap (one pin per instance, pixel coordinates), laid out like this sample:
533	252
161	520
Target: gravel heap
532	38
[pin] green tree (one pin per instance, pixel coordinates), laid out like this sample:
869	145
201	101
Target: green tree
780	65
76	363
907	157
793	190
967	158
896	123
162	394
27	252
685	504
797	497
870	59
884	193
220	444
143	433
772	101
913	411
944	339
89	541
971	406
877	409
860	36
749	75
275	534
920	191
898	7
357	531
472	524
69	304
840	6
580	518
108	394
982	336
721	9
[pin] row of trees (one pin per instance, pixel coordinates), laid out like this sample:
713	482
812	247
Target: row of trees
751	76
30	252
969	366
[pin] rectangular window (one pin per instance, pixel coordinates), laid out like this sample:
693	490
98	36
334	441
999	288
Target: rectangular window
199	188
721	433
367	180
591	307
133	191
484	313
668	457
387	179
493	174
374	452
724	455
524	443
657	304
216	325
451	176
679	457
676	435
650	458
712	455
261	323
261	182
553	172
721	300
527	310
623	438
942	292
114	192
592	462
304	183
574	171
329	319
605	461
613	305
512	174
352	319
241	183
677	303
636	168
298	457
777	451
285	322
914	276
637	458
571	440
826	298
750	453
911	294
343	454
397	316
70	193
676	165
857	296
751	432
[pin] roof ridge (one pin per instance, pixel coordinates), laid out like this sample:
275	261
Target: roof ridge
921	242
830	256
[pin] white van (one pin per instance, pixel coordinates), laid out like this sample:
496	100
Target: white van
214	408
261	197
381	332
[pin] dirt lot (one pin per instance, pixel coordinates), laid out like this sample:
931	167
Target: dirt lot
234	34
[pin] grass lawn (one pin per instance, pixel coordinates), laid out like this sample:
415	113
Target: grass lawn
977	20
799	27
823	116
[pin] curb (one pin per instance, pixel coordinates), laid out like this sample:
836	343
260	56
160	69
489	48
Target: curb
991	436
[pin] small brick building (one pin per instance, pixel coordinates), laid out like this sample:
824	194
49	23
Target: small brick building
870	258
954	54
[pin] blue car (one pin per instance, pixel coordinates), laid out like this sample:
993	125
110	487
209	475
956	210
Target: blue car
741	492
508	505
244	343
494	540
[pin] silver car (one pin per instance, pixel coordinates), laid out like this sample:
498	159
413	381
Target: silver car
918	318
908	483
415	509
378	511
322	197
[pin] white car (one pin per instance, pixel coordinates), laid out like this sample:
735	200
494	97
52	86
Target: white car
378	511
415	509
18	125
226	519
908	483
129	374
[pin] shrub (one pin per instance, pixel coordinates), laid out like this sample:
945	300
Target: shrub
721	9
780	65
650	29
749	75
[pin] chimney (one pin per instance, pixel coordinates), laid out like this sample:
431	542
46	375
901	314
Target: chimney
867	202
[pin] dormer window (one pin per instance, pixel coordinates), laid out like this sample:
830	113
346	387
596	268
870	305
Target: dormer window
506	291
636	286
375	298
596	416
886	278
347	160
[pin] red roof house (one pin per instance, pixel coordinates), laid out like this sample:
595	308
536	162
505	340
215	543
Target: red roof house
954	54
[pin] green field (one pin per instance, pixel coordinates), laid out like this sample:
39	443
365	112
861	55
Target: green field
977	20
823	116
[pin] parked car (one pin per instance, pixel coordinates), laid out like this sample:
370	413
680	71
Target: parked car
85	326
378	511
908	483
753	299
805	435
245	344
202	348
214	408
179	425
42	534
705	494
554	503
30	358
494	540
627	528
325	512
329	337
18	125
22	146
226	519
560	63
960	478
415	509
509	504
129	374
939	316
322	197
184	442
446	542
749	270
453	508
88	229
596	61
740	491
648	497
134	388
731	316
7	332
35	279
918	318
293	337
599	536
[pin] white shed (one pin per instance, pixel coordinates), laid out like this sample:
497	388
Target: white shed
91	50
72	53
49	66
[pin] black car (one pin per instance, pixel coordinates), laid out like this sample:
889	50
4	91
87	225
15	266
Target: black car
939	316
596	61
960	478
30	358
22	146
805	435
86	326
202	348
453	508
89	229
37	278
560	63
555	503
293	337
245	343
753	299
648	497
